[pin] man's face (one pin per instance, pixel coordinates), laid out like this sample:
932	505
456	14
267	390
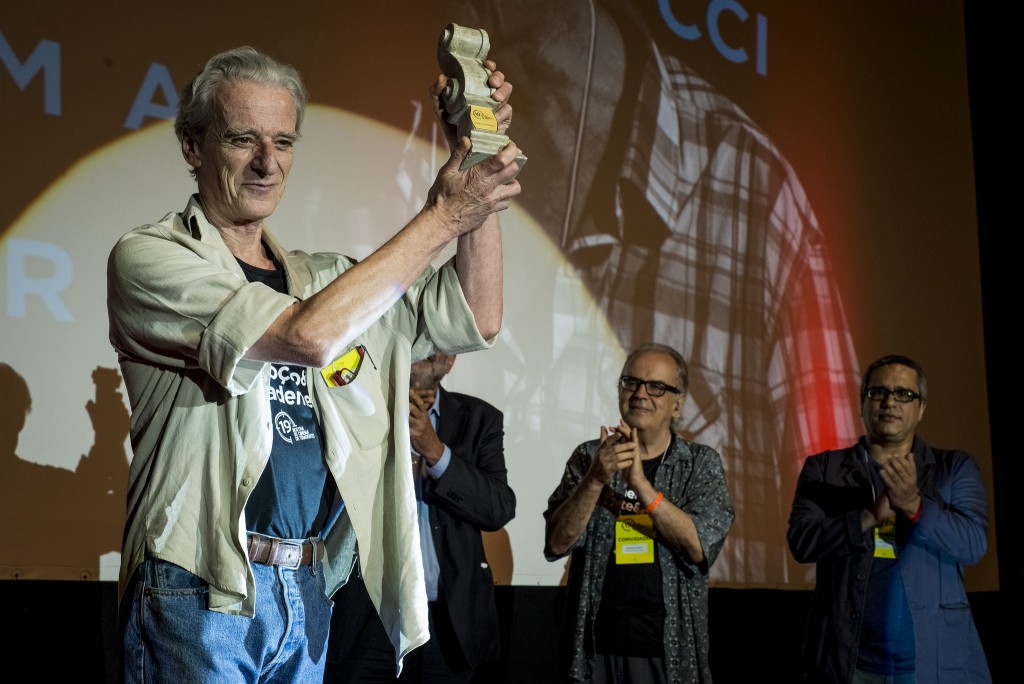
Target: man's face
889	421
243	159
426	374
639	409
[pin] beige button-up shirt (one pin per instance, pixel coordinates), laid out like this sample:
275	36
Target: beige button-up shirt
182	316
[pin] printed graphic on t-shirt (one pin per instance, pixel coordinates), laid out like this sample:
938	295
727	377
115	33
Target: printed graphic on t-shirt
630	503
289	386
634	532
292	406
289	430
288	500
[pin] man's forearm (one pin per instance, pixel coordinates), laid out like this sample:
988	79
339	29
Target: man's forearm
677	529
673	523
478	262
485	500
569	521
315	331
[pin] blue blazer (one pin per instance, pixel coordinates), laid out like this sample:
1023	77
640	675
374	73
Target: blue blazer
824	528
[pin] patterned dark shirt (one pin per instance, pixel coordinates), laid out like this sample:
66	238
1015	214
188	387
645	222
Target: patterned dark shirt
692	478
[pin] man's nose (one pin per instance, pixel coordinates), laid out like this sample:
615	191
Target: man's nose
264	159
889	399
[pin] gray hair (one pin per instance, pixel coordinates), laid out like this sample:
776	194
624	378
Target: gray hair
682	371
240	65
895	360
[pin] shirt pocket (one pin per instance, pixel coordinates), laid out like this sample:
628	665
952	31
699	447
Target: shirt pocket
361	405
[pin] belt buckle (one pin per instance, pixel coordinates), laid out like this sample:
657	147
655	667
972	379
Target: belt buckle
288	548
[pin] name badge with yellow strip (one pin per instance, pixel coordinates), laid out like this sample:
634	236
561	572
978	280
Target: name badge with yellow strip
634	539
885	538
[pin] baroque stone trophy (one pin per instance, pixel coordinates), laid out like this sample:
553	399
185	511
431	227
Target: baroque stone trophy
466	100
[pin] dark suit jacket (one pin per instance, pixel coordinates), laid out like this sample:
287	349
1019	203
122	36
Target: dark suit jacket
472	495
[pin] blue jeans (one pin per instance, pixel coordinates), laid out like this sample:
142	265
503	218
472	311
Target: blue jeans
170	635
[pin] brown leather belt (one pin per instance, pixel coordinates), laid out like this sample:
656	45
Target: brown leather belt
280	552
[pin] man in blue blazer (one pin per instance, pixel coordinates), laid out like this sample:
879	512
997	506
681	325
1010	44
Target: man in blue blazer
891	522
462	489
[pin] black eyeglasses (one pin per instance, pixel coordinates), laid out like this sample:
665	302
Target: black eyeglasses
627	383
903	396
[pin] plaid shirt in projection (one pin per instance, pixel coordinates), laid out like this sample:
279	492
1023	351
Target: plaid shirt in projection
720	254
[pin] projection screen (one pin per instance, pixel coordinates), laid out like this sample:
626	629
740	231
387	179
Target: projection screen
782	191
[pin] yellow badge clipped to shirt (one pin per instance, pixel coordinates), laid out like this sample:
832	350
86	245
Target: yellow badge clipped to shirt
345	368
885	538
634	539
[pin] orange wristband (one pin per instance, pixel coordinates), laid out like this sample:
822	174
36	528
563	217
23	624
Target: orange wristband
654	504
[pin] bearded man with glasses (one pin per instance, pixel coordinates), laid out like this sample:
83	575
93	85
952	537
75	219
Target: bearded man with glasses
644	514
891	523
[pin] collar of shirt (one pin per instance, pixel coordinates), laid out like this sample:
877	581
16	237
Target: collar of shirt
435	408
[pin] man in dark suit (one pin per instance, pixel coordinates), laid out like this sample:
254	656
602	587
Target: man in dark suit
459	472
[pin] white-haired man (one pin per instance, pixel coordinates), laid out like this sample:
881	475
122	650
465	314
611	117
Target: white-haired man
267	391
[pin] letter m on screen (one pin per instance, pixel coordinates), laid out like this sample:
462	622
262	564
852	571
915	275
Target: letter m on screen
45	59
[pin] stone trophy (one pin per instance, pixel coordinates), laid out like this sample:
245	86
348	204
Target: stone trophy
467	99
